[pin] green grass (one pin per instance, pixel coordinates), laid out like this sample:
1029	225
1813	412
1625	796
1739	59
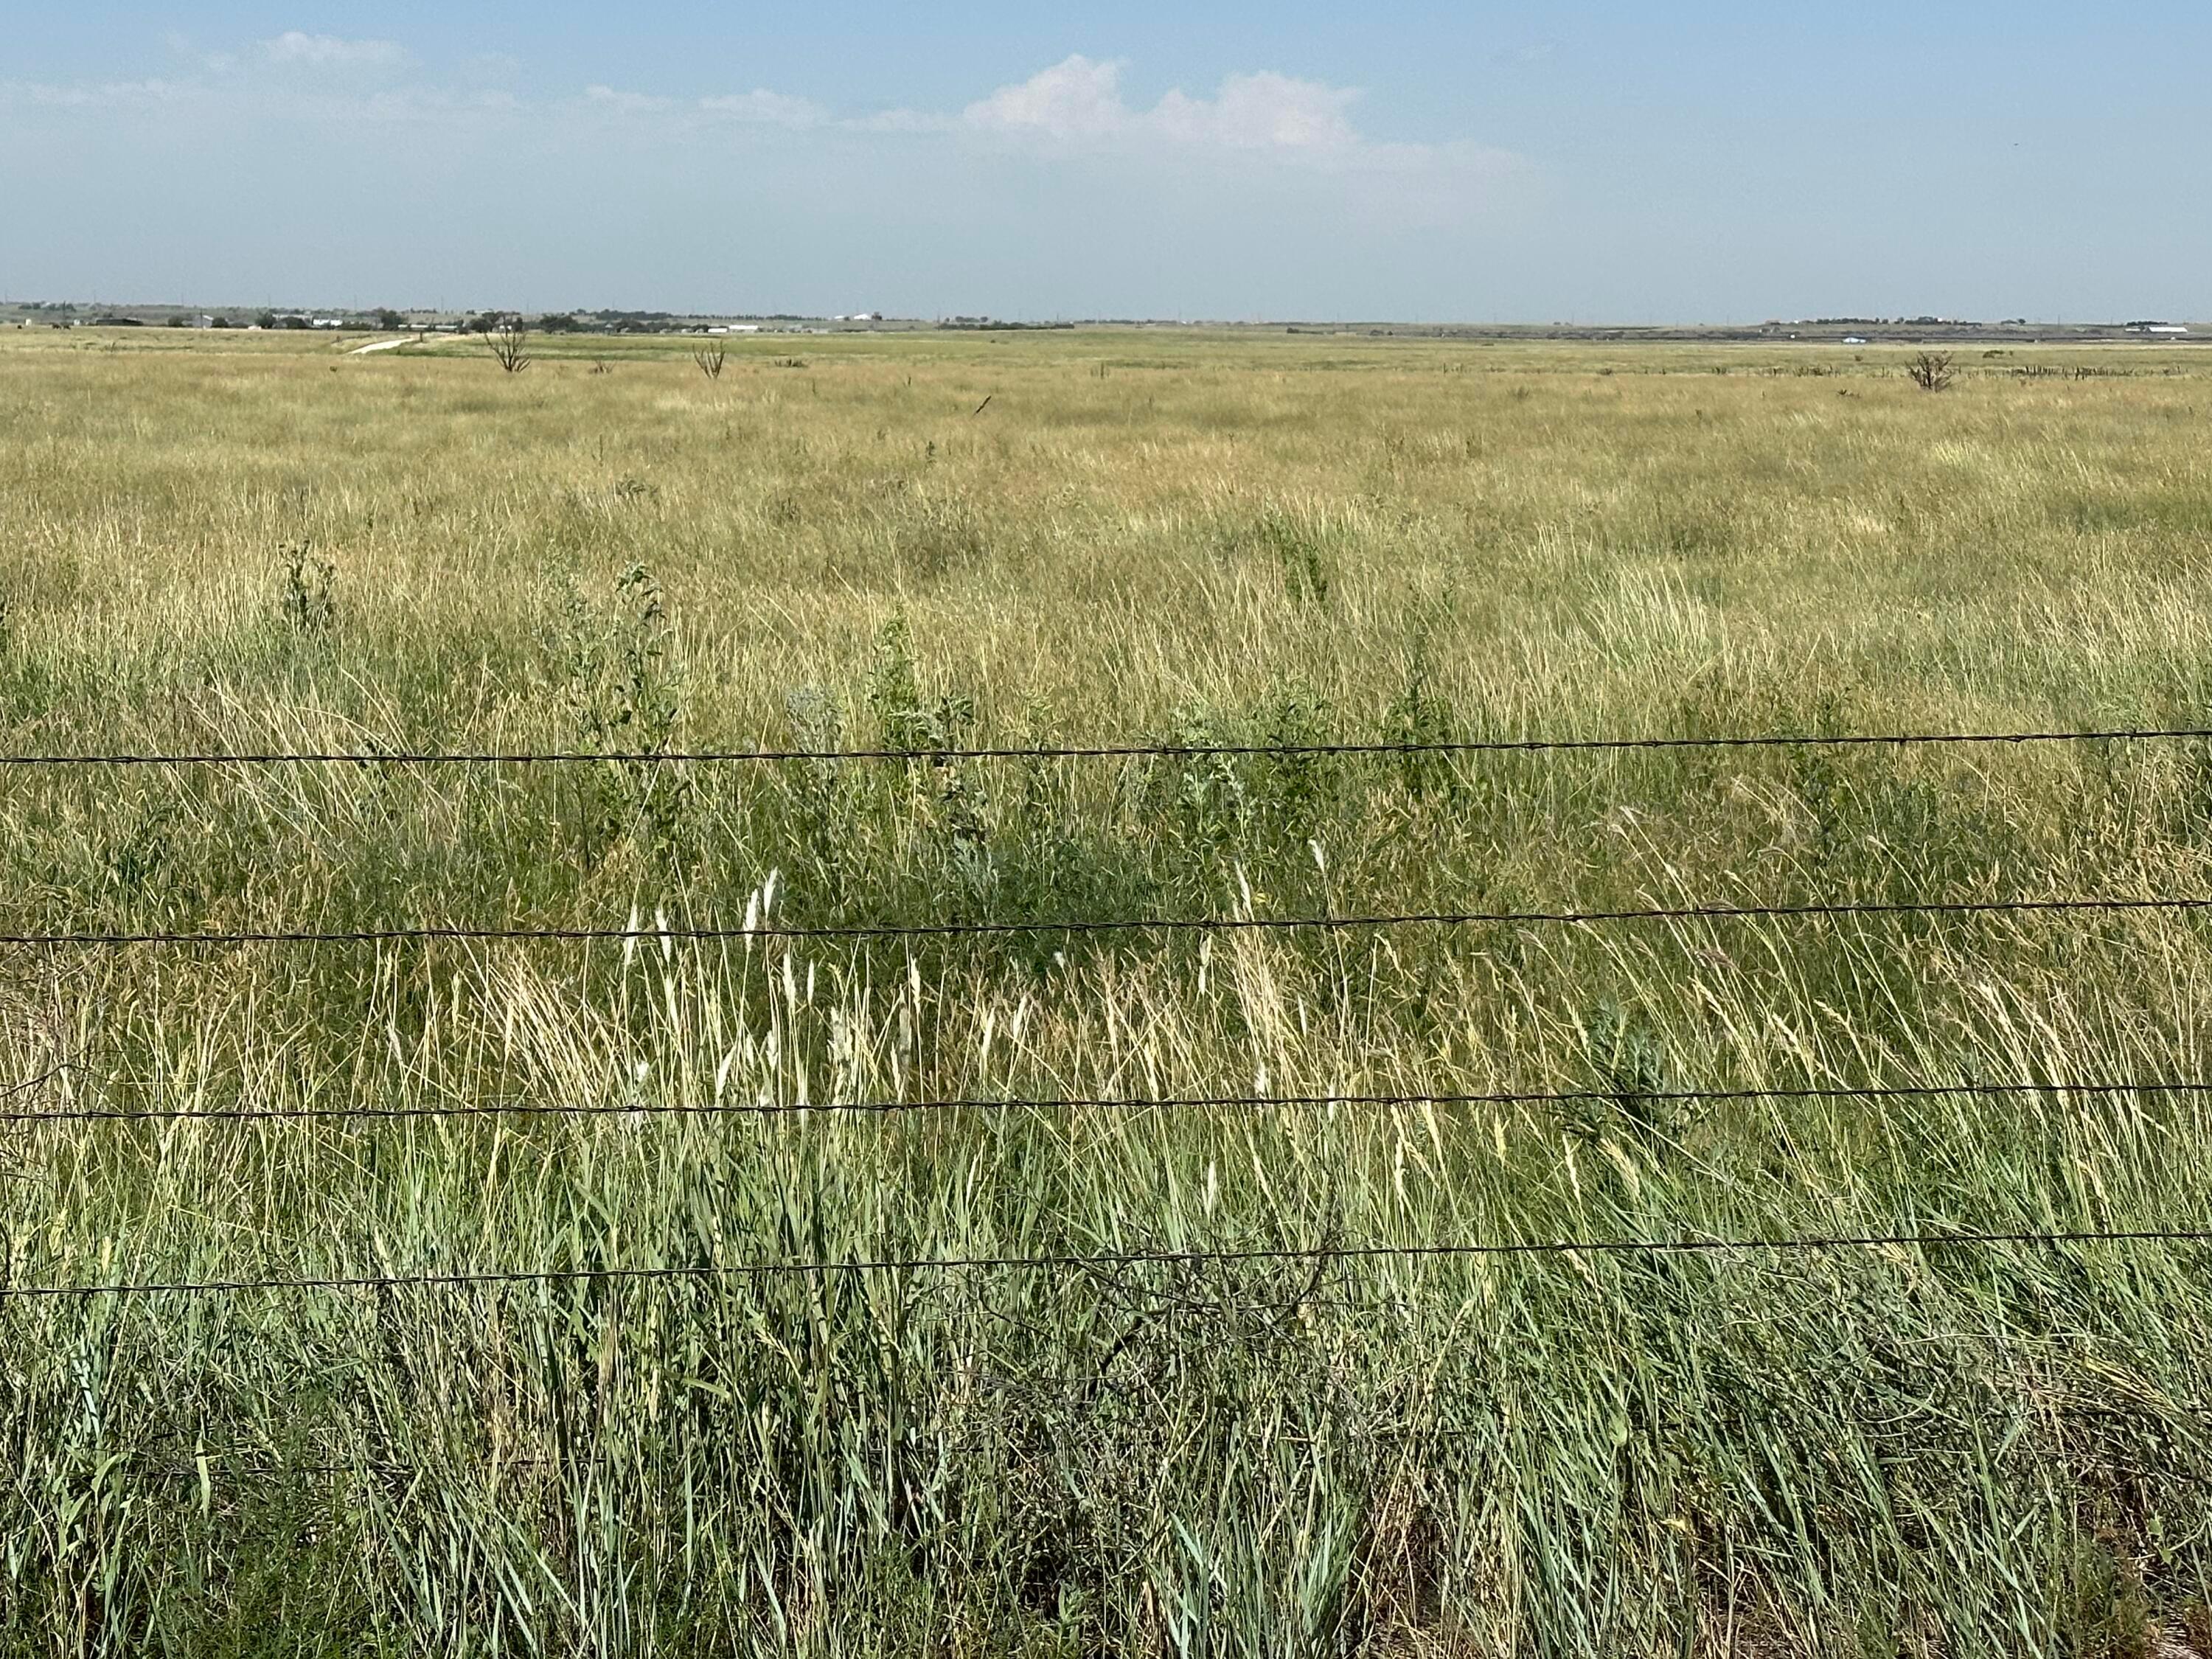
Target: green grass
260	544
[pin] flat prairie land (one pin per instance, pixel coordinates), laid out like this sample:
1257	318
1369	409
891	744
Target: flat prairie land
458	1285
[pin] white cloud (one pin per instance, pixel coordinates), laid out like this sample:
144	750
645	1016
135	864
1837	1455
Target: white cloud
1077	107
1076	100
1079	101
1279	123
1263	111
294	47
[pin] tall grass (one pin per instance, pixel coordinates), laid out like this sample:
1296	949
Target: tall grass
1924	1448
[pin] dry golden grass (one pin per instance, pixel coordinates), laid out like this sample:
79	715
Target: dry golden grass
258	544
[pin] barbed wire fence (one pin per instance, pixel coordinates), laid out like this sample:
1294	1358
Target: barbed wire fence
488	1278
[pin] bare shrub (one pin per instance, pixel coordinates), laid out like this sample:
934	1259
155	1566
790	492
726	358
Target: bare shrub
509	343
1931	371
710	360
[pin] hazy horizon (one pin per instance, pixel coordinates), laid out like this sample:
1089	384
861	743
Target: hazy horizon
242	313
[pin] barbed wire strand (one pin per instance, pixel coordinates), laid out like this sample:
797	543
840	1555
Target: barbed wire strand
1101	752
673	932
1122	1258
1086	1103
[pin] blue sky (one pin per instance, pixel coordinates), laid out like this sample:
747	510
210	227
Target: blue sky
1508	161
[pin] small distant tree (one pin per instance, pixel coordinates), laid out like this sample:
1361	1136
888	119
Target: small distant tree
1931	371
388	318
711	360
509	342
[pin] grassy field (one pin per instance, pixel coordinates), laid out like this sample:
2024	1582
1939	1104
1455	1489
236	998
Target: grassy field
256	543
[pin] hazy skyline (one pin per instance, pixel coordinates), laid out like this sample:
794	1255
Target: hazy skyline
1513	162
